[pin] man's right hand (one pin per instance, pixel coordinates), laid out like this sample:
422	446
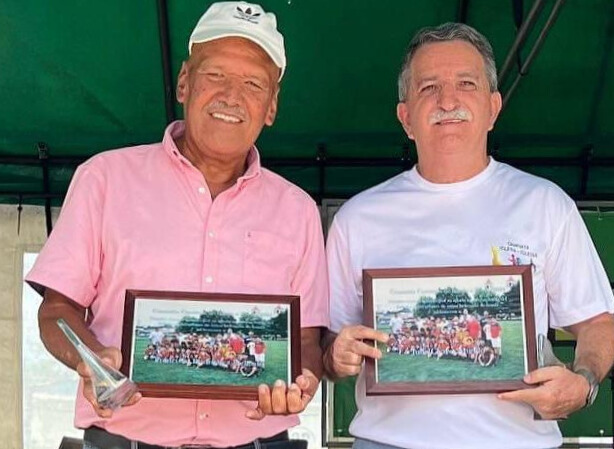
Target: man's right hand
347	352
112	357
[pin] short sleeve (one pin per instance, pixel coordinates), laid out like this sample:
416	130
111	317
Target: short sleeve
344	291
577	285
70	261
311	279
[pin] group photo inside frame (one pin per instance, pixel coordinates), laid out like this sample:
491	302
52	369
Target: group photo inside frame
209	345
451	330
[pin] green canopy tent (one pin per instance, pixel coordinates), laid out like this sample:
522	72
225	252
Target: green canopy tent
78	78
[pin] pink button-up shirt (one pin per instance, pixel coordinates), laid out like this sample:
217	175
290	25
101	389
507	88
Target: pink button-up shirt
143	218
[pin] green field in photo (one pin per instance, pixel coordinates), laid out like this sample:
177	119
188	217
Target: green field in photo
395	367
155	372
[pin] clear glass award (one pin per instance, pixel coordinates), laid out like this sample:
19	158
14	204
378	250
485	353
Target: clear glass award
111	388
545	357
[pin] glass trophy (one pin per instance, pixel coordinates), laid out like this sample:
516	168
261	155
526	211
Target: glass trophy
545	353
545	357
111	388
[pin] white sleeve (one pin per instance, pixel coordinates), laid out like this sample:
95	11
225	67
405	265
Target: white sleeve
345	282
577	285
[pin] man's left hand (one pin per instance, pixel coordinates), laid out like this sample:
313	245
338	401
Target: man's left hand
282	400
559	393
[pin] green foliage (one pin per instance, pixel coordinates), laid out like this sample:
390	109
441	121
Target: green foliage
450	302
278	325
425	306
487	300
252	322
511	301
217	322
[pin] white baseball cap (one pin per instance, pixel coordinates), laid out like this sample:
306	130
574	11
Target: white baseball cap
241	19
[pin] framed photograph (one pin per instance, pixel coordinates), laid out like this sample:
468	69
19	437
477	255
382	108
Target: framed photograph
452	330
209	345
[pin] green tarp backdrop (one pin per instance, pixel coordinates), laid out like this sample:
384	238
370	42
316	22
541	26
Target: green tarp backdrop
82	77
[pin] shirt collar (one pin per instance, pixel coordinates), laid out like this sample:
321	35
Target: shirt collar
176	129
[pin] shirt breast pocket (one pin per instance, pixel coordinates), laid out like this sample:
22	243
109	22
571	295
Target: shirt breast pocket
269	263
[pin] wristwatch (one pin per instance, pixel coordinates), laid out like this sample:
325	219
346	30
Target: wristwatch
593	385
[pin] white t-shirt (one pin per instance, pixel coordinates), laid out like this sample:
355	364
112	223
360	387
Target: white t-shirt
396	324
499	216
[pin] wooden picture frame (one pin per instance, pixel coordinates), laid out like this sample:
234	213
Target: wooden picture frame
435	345
184	345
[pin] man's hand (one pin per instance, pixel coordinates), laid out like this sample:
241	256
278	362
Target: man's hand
285	401
559	393
346	354
112	357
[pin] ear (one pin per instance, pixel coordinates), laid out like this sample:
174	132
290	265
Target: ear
496	103
182	83
272	112
403	116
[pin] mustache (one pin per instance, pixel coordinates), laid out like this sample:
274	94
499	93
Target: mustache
456	114
223	108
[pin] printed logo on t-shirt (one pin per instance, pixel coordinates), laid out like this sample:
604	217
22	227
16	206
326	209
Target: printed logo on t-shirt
512	253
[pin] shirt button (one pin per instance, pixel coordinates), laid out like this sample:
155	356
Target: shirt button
209	279
211	234
203	416
201	190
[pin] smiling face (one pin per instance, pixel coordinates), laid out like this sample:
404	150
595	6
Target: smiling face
449	108
228	89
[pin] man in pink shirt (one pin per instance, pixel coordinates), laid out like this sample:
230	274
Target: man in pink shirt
195	212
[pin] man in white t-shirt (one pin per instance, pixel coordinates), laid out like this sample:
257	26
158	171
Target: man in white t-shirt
448	211
156	336
396	324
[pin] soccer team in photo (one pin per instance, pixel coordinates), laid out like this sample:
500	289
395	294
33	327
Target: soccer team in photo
231	351
468	337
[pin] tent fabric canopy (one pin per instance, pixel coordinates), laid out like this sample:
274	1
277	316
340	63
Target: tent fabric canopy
82	77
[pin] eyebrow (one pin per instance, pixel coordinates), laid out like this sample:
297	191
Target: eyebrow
468	75
425	79
261	75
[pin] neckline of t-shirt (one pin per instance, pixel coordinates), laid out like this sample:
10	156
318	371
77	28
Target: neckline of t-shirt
467	184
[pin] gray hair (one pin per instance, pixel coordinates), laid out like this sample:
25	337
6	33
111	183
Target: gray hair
448	32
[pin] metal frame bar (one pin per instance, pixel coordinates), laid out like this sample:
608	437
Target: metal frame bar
321	164
521	37
587	157
463	11
31	196
43	156
165	51
586	161
403	159
556	9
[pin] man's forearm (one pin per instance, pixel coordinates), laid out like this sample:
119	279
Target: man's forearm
53	307
328	338
595	344
311	353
